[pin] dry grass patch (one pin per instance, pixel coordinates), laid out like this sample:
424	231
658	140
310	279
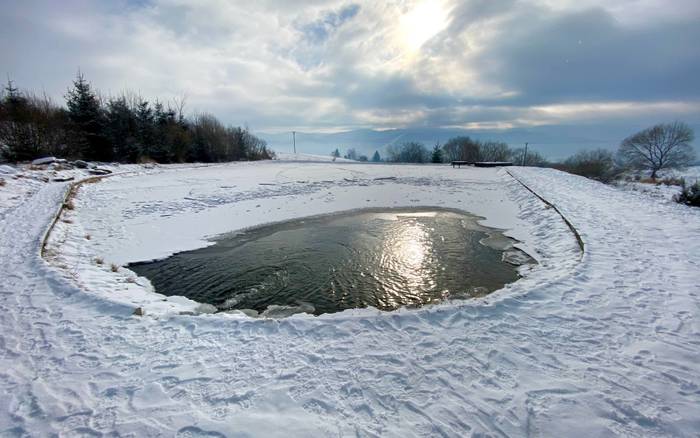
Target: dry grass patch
99	260
668	181
114	268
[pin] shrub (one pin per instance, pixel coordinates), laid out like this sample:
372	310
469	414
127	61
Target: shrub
671	181
668	181
596	164
689	195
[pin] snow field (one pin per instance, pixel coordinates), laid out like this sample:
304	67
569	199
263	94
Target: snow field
602	346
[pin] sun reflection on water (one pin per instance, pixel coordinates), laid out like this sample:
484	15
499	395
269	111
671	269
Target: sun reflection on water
408	252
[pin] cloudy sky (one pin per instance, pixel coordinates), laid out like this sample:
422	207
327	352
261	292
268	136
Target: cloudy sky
329	66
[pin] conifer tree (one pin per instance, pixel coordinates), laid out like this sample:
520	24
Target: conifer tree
437	154
88	121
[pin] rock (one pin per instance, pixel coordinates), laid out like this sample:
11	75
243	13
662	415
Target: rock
45	160
139	311
58	165
63	179
7	170
80	164
98	171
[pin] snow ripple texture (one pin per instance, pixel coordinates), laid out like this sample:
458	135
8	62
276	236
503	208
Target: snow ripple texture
608	346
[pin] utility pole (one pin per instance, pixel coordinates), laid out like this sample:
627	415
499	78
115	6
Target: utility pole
294	140
525	154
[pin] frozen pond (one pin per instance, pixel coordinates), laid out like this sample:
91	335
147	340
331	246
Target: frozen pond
385	258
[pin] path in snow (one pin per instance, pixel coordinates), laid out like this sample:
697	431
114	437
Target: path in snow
601	347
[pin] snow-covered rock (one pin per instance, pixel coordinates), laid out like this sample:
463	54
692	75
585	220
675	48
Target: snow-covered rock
45	160
7	170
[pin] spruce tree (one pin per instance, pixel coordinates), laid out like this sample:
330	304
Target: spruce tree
145	126
437	154
376	158
88	122
122	130
15	128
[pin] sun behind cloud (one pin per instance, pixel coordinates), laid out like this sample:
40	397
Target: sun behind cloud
421	23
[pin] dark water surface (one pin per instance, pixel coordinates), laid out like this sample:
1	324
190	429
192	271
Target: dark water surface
380	258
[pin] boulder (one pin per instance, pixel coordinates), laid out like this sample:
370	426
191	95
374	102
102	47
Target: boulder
80	164
45	160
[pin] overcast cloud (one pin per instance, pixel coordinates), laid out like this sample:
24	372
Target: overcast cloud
328	66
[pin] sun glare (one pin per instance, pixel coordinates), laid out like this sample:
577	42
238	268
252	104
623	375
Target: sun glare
422	23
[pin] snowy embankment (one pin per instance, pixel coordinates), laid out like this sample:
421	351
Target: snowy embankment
606	344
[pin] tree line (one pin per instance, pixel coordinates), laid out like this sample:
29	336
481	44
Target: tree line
662	146
462	148
126	128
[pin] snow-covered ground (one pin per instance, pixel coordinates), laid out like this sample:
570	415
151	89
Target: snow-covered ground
288	156
604	343
690	174
661	191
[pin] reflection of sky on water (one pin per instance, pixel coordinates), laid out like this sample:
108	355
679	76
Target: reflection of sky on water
385	259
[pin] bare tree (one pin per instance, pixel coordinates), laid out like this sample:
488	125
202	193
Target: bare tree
663	146
408	152
494	151
598	164
178	105
461	148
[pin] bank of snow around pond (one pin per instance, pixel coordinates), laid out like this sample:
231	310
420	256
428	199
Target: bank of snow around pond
600	343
